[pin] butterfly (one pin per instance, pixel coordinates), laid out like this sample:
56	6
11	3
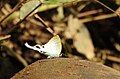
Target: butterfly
52	48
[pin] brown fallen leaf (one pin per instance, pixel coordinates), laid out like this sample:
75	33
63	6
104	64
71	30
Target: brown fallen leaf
81	37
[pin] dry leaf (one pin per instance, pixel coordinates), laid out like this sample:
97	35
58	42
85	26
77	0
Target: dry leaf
81	37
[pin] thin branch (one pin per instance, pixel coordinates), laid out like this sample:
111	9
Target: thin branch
47	27
107	7
89	13
4	37
98	18
112	58
14	54
13	10
15	26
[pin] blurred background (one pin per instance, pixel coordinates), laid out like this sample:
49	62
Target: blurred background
89	30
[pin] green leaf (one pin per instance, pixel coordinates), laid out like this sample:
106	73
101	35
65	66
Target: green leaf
59	1
28	7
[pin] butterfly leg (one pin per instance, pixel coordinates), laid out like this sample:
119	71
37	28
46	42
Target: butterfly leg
49	57
61	54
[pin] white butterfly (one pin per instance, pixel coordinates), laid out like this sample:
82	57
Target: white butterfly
51	49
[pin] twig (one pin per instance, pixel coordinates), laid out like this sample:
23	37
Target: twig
13	10
89	13
22	60
98	18
107	7
112	58
15	26
47	27
4	37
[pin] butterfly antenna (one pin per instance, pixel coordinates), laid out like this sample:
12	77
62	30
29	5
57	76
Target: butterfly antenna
27	45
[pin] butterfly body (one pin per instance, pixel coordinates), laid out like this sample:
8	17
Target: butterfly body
51	49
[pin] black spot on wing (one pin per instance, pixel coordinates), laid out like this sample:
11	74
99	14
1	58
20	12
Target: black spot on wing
37	47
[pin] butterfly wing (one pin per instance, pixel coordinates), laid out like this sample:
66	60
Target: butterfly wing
53	47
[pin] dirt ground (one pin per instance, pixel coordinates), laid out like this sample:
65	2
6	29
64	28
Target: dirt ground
66	68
